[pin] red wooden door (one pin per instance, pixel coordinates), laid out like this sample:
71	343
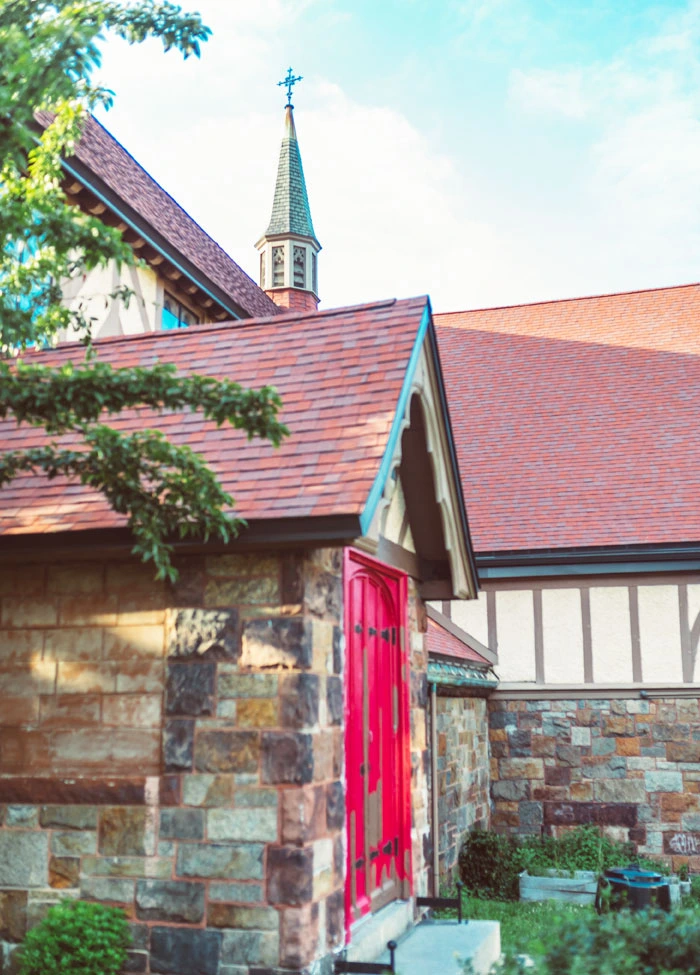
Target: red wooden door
377	737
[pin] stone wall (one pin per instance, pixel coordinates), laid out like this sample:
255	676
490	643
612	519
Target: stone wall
462	774
420	758
178	753
630	765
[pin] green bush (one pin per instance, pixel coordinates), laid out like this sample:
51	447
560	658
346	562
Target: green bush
489	863
77	938
623	943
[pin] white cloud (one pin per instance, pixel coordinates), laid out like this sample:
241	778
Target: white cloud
550	92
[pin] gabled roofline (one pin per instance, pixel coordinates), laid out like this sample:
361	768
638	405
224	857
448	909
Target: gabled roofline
594	560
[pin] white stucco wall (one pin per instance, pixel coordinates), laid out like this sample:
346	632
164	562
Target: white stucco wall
562	634
472	616
111	317
611	634
515	635
660	634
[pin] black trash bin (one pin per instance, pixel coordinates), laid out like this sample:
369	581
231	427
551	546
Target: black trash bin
634	888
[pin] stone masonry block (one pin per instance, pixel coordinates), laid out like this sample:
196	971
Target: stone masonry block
110	889
247	918
68	817
24	858
227	751
175	951
290	873
299	936
663	781
277	642
181	824
299	700
521	768
334	700
74	843
232	861
13	914
287	758
303	814
190	688
126	831
64	872
233	684
207	790
170	900
197	632
242	824
250	948
178	744
335	806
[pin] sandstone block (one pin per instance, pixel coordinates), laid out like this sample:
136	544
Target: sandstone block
23	858
242	824
68	817
13	914
543	746
530	813
227	751
235	861
73	579
580	736
519	743
88	610
335	806
175	951
139	677
126	831
81	678
64	872
141	608
196	632
687	751
335	919
233	684
521	768
246	591
28	612
246	918
73	643
157	868
70	710
190	688
303	814
257	712
290	872
253	948
299	936
178	744
170	900
132	710
628	746
207	790
181	824
134	643
237	893
277	642
73	844
334	700
604	746
256	798
619	790
287	758
299	700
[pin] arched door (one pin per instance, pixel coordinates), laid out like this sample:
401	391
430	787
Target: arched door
377	736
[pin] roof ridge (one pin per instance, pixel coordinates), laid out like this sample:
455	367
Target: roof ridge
234	324
561	301
92	118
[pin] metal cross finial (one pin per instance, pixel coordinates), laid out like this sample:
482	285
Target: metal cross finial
289	83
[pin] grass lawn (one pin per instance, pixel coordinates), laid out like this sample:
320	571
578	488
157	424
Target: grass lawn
526	926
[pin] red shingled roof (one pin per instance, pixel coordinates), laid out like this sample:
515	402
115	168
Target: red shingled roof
339	374
107	159
576	422
446	644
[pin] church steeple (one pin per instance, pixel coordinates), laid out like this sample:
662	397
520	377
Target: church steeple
289	248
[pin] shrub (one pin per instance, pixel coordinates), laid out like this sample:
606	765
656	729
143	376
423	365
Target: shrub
77	938
488	865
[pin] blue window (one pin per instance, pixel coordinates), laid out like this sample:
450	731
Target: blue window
176	315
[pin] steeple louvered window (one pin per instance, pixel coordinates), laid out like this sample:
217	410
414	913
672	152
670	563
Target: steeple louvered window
299	267
278	267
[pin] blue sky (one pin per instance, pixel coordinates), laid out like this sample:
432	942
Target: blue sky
485	151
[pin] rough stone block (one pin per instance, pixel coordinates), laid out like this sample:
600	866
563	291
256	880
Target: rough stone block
133	643
530	813
511	790
256	712
176	951
151	867
287	758
23	858
334	700
246	918
290	873
253	948
110	889
303	814
521	768
190	688
235	861
73	643
603	746
663	781
179	901
64	872
205	631
580	736
233	684
13	914
136	962
19	613
687	751
335	806
132	710
178	744
299	700
580	813
126	831
235	893
335	919
181	824
277	642
557	775
299	936
68	817
227	751
619	790
242	824
520	743
207	790
21	816
73	844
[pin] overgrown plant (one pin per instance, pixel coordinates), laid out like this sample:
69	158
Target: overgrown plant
77	938
50	49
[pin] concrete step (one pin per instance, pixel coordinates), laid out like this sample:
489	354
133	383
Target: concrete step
442	947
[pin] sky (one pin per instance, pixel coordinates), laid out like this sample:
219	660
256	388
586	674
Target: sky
486	152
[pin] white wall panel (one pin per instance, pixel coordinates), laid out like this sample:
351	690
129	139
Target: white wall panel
562	631
516	635
693	616
611	634
660	635
471	615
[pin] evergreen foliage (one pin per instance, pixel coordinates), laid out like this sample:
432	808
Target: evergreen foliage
77	938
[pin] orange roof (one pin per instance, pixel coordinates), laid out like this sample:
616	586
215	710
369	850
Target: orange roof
576	422
340	374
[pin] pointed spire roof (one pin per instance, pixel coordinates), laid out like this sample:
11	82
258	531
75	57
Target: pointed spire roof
290	210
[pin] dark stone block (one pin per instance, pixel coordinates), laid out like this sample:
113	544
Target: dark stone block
278	642
140	935
530	813
299	700
510	790
292	579
287	758
227	751
499	749
338	858
180	901
335	918
334	700
176	951
581	813
557	775
568	755
13	914
190	688
419	689
178	745
181	824
503	719
335	805
104	792
520	743
169	790
188	591
210	632
638	834
290	875
136	961
337	650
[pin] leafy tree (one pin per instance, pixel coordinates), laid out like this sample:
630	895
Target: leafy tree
50	49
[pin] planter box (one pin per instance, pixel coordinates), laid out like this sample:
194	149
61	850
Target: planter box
560	886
